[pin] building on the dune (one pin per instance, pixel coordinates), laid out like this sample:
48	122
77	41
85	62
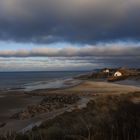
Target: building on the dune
119	73
106	70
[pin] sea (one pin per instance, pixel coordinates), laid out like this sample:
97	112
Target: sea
35	79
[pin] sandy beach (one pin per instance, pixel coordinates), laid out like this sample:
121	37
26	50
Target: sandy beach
15	101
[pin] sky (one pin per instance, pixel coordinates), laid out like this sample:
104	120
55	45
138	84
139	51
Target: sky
51	35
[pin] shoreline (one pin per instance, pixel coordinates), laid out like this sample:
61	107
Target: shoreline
24	79
44	85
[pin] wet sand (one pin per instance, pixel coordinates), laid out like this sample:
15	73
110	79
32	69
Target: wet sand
11	103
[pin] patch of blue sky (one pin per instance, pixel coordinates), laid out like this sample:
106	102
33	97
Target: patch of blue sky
9	45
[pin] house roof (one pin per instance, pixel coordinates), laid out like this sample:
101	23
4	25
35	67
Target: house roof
121	71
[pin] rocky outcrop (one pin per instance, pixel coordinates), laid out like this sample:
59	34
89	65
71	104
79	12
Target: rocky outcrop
48	104
64	99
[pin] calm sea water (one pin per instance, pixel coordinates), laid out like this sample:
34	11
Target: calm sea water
19	79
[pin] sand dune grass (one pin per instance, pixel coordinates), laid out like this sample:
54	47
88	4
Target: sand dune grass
105	118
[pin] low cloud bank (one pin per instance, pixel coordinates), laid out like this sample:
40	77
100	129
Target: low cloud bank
108	50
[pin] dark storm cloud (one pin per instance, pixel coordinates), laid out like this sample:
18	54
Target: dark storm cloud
79	21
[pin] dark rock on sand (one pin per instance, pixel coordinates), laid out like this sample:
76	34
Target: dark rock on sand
2	124
48	104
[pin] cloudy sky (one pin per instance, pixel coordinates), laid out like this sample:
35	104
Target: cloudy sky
69	34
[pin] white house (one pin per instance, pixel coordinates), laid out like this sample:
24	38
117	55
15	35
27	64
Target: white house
117	73
106	70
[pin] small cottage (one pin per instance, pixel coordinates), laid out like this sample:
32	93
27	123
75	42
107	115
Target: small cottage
119	73
106	70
